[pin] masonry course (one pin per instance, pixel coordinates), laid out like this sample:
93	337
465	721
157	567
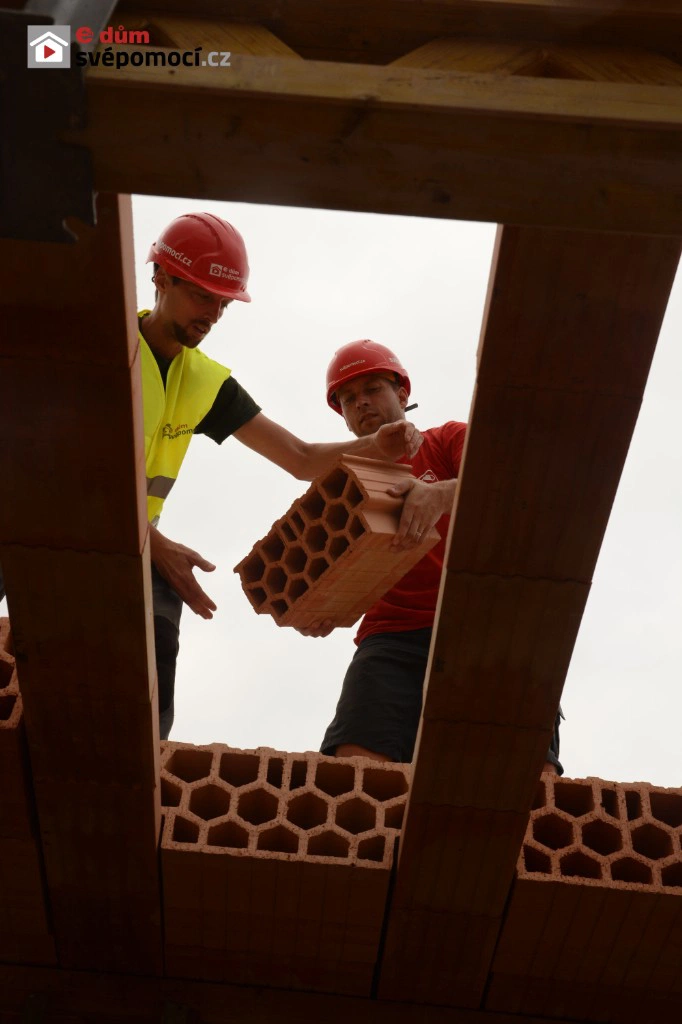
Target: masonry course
260	844
594	925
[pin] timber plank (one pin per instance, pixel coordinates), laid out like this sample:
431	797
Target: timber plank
379	31
506	149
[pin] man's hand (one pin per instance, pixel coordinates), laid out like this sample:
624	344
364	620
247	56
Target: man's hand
320	628
424	505
175	562
393	440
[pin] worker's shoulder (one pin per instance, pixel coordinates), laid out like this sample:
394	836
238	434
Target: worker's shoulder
445	432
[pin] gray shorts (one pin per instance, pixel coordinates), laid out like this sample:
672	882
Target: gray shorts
381	698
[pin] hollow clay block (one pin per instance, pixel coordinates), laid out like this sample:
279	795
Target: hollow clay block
597	903
329	557
259	845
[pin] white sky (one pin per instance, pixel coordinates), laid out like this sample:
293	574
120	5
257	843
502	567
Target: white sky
318	280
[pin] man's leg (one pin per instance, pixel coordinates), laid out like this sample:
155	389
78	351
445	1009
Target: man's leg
553	765
381	699
2	585
167	612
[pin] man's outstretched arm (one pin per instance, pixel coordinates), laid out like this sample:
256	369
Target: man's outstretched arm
306	460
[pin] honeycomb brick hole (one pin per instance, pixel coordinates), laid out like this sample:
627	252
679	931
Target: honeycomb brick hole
393	816
307	811
602	837
171	793
190	765
313	505
372	848
356	816
574	798
273	548
209	802
328	844
633	804
278	840
627	869
7	702
609	803
652	842
228	835
667	807
335	778
299	774
383	785
239	769
185	831
579	865
553	832
333	485
6	672
672	875
275	773
257	807
536	861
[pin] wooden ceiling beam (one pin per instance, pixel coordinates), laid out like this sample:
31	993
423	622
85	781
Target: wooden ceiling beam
393	140
378	31
474	55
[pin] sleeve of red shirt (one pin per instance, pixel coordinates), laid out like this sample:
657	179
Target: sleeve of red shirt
452	438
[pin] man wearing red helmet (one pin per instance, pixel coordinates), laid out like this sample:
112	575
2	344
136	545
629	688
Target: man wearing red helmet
200	267
380	705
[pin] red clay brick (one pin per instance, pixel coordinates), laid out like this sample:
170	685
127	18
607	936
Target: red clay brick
260	844
329	556
591	924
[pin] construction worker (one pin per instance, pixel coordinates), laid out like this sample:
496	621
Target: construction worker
378	712
200	267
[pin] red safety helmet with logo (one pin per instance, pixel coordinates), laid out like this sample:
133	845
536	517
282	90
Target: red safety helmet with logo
203	249
357	359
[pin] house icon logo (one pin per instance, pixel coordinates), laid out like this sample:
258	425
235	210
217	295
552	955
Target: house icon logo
48	47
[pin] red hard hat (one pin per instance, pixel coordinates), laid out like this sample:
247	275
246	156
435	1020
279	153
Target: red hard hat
357	359
206	250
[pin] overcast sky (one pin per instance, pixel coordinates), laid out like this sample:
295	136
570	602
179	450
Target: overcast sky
318	280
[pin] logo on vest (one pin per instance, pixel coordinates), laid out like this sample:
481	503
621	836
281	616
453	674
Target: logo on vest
172	433
429	477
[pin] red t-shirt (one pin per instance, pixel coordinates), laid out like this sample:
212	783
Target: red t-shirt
411	604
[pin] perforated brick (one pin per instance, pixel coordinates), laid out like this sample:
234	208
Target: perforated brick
595	917
329	557
240	825
607	831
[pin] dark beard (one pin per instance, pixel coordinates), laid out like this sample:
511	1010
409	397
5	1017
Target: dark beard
182	337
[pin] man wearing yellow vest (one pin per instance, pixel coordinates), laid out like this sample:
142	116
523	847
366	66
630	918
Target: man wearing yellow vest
200	267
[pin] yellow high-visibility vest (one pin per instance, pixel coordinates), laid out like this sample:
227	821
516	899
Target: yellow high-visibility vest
171	414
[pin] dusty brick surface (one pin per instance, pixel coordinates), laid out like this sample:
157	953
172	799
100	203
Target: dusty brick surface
260	844
594	926
329	557
24	929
